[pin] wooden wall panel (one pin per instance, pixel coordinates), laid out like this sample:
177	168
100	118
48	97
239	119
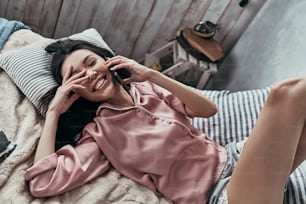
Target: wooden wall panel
86	15
195	13
67	18
32	13
242	22
132	27
15	9
40	15
228	20
153	22
215	10
118	28
49	16
123	34
3	8
171	24
103	18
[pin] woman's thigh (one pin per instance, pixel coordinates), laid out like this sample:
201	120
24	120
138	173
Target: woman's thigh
267	158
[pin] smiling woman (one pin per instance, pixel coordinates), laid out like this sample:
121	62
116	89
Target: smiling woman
152	118
82	111
144	102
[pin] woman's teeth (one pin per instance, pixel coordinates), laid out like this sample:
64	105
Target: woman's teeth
99	84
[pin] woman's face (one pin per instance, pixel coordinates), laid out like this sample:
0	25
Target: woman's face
100	85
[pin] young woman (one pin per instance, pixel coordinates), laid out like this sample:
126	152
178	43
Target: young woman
144	133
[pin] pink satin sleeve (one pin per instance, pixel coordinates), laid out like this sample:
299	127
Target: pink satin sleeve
172	100
68	168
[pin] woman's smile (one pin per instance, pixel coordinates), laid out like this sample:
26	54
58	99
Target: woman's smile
98	83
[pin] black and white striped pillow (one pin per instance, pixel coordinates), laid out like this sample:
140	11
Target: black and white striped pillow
237	113
29	66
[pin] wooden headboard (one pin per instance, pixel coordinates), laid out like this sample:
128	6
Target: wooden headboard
132	27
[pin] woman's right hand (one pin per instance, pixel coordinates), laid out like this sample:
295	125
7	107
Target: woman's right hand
62	100
66	93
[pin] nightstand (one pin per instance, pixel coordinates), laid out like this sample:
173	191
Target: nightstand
173	61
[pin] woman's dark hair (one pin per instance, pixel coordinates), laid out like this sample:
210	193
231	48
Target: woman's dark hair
82	111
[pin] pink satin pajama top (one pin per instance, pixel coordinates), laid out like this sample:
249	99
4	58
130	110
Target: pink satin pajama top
152	143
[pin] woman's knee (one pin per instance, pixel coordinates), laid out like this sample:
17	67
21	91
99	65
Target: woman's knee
292	91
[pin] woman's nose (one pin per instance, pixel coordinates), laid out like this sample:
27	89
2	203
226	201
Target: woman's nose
92	74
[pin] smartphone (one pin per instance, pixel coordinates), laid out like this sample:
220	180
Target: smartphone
120	75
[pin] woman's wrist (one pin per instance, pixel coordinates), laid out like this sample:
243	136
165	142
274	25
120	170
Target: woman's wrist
154	75
53	113
46	145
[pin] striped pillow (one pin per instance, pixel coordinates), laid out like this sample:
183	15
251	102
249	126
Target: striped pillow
29	66
237	113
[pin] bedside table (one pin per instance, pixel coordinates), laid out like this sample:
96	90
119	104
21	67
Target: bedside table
172	60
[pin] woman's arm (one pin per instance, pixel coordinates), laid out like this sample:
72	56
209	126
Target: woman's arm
68	168
196	104
59	105
46	144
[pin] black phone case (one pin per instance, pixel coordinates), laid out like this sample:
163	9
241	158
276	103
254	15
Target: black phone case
121	74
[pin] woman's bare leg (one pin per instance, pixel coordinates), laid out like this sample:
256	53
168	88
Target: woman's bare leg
300	155
269	154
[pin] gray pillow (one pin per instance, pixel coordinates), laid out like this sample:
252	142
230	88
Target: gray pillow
29	66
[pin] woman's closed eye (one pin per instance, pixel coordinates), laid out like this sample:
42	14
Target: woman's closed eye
90	61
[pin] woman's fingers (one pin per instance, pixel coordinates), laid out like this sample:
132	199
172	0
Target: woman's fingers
127	80
67	75
67	89
80	80
80	75
77	88
70	83
115	58
120	66
138	71
113	62
73	98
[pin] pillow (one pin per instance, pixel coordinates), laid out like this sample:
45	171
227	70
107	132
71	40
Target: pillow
29	66
236	116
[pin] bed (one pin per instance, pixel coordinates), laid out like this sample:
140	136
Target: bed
22	121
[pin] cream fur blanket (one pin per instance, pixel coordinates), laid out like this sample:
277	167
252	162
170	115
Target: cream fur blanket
22	125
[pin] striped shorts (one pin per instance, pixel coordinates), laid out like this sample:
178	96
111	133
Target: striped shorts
219	194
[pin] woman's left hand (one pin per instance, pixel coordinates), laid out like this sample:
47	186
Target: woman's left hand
138	72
